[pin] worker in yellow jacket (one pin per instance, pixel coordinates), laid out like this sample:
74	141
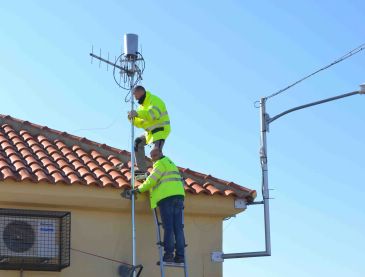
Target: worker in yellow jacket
166	190
151	115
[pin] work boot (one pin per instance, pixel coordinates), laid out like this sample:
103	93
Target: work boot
179	259
168	258
140	175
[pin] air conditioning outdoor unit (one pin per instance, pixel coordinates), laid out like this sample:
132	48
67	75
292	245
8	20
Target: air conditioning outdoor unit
34	240
28	237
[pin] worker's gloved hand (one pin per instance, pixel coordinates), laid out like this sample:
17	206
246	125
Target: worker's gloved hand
129	193
132	114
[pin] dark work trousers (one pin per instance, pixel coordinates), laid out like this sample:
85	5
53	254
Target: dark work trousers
139	144
172	216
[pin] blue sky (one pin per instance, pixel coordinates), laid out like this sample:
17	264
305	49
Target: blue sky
209	61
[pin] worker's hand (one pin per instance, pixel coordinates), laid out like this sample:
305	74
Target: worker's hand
132	114
129	193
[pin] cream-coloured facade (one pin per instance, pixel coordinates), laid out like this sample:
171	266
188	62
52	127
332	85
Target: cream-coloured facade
100	224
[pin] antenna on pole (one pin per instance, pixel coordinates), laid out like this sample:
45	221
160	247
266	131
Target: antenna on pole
130	66
130	63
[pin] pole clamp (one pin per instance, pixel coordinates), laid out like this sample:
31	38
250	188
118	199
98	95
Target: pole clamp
362	89
267	122
217	257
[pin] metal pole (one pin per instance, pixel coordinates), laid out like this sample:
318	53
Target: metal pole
132	172
264	168
265	121
265	189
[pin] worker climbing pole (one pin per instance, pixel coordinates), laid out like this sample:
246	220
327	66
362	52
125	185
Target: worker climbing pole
165	183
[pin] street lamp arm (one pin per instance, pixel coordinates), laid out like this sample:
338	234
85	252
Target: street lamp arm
269	120
265	120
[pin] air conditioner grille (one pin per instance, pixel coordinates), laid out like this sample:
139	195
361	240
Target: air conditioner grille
34	240
19	236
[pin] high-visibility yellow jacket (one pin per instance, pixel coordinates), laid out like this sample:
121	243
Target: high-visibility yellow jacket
164	181
153	118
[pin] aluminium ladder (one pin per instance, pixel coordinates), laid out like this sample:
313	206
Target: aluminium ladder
161	263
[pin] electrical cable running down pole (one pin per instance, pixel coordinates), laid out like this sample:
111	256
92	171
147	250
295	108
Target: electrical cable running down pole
340	59
131	66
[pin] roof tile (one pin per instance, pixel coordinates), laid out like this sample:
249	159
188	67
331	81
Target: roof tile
14	158
31	160
25	175
31	152
4	164
6	145
18	165
8	174
106	181
77	165
41	176
58	178
212	189
90	180
199	189
26	153
74	178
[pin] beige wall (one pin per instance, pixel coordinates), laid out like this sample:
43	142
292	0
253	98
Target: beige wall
101	225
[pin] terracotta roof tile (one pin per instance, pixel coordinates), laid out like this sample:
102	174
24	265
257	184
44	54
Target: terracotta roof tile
188	189
106	181
115	161
8	173
5	145
73	178
41	176
31	160
83	172
199	189
40	154
90	180
122	183
229	192
212	189
25	175
67	170
18	165
3	163
35	167
25	153
108	167
20	146
77	164
116	175
57	157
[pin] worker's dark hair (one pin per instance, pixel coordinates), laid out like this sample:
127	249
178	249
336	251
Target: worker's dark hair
139	88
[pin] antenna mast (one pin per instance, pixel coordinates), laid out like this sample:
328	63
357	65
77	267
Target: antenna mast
131	66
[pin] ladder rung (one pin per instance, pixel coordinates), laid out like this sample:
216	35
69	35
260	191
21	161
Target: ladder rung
168	264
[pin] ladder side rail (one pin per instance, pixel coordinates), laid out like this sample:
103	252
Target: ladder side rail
185	257
159	242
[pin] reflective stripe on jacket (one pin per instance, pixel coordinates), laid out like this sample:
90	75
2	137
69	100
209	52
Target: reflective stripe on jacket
164	181
153	118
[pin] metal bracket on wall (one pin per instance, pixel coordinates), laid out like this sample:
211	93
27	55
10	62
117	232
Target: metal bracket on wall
240	204
217	257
